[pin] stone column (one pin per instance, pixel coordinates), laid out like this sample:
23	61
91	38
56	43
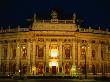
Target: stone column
33	54
60	57
73	52
79	52
98	57
9	55
28	58
47	55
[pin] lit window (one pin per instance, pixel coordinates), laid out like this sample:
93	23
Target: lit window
53	63
54	52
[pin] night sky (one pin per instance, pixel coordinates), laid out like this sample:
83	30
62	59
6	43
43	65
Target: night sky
95	13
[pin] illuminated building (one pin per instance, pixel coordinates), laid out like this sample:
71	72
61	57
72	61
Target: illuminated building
55	47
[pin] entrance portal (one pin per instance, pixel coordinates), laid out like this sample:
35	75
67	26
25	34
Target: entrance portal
54	70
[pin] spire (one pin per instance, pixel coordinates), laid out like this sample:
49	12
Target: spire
74	16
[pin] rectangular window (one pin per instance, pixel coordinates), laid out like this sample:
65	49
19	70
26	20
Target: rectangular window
40	52
67	53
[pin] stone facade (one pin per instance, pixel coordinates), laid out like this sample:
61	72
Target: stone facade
55	47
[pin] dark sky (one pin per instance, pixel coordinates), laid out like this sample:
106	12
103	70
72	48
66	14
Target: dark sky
94	12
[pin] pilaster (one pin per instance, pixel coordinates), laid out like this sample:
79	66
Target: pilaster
34	48
60	55
28	58
73	52
8	57
79	53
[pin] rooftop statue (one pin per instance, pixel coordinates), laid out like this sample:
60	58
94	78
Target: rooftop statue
54	15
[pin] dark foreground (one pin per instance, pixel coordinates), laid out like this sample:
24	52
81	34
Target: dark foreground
52	79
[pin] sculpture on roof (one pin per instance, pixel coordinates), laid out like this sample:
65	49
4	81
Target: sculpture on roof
54	15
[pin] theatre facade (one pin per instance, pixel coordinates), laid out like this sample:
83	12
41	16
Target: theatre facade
55	47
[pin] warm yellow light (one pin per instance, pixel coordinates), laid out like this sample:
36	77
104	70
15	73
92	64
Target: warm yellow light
33	69
23	47
54	52
53	63
19	70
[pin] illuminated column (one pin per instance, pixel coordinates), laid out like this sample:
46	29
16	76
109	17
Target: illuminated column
73	52
8	57
28	58
33	57
98	56
60	55
79	52
47	55
17	57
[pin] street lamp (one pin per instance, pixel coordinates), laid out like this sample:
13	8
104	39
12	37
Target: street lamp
85	48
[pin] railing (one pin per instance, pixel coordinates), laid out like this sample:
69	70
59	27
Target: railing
14	30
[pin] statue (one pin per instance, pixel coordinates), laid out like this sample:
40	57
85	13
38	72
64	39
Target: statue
54	15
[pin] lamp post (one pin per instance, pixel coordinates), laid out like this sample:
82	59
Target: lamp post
20	73
85	67
20	63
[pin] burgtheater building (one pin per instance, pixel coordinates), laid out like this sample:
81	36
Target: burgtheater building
55	47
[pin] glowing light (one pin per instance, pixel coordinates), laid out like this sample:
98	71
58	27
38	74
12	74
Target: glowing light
18	46
23	47
33	69
19	71
53	63
54	52
82	47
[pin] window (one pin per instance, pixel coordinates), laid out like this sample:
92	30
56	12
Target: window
24	52
67	53
14	53
40	52
83	53
54	53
